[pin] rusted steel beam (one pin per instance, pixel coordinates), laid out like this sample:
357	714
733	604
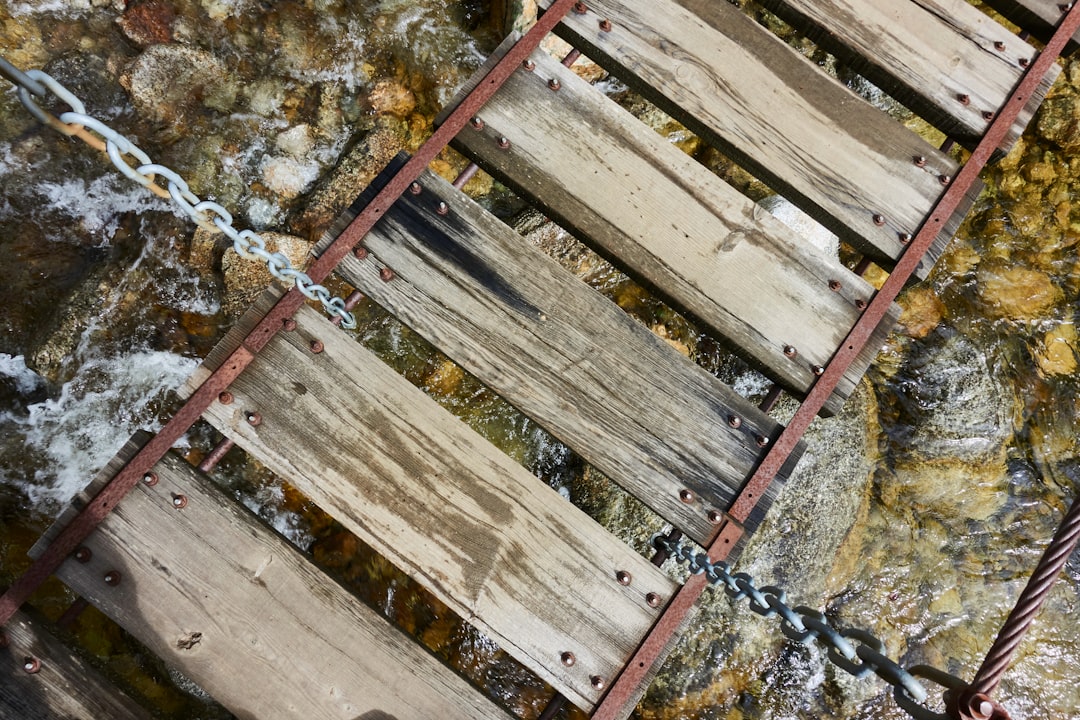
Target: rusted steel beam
617	704
129	476
904	269
217	454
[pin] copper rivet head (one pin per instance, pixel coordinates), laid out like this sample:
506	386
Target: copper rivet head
580	8
225	397
834	285
253	418
554	83
761	440
920	161
790	351
987	115
605	25
1024	62
288	324
905	238
360	253
415	188
150	479
568	659
317	346
653	599
528	65
714	516
734	421
386	274
504	143
31	665
818	370
83	554
179	501
999	46
623	577
861	304
964	99
597	682
944	179
686	496
112	578
442	208
477	123
879	220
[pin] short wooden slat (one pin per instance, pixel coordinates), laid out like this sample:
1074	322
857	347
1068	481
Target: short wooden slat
668	221
742	89
928	53
626	401
1039	17
65	687
494	543
230	604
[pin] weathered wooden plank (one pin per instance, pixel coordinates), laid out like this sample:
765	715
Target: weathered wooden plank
930	54
672	224
742	89
488	538
626	401
1038	17
218	596
62	687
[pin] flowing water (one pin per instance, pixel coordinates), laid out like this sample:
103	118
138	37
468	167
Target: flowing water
917	514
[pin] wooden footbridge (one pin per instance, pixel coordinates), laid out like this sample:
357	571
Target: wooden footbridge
223	599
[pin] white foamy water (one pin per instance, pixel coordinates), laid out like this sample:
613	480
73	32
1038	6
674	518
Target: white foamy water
66	439
99	204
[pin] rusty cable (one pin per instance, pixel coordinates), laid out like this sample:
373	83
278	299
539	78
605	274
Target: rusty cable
729	531
1031	599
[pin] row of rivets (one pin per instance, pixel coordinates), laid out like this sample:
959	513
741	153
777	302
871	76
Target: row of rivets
581	8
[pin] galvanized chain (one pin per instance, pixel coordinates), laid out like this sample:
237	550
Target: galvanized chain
856	651
205	213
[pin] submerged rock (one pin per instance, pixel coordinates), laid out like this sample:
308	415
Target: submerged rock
171	83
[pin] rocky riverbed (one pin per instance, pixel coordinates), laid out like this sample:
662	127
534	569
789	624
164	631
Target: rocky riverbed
916	514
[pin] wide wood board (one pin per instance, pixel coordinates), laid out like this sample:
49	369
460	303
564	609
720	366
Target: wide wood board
234	607
1039	17
947	60
497	545
846	163
63	687
778	301
623	399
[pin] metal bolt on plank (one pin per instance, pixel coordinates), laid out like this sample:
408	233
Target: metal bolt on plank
613	705
128	476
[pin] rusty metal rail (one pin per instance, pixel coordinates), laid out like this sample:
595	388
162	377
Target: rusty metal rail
132	473
624	690
627	686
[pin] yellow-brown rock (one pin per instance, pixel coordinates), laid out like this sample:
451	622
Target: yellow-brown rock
1015	292
391	98
1057	355
922	311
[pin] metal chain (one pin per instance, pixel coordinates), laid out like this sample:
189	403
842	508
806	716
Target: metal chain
856	651
205	213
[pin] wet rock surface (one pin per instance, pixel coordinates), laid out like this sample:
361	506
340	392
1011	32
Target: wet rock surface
916	513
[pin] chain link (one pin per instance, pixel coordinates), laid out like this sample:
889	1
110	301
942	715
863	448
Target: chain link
204	213
855	651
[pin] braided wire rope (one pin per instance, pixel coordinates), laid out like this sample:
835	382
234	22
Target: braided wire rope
206	214
1031	599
